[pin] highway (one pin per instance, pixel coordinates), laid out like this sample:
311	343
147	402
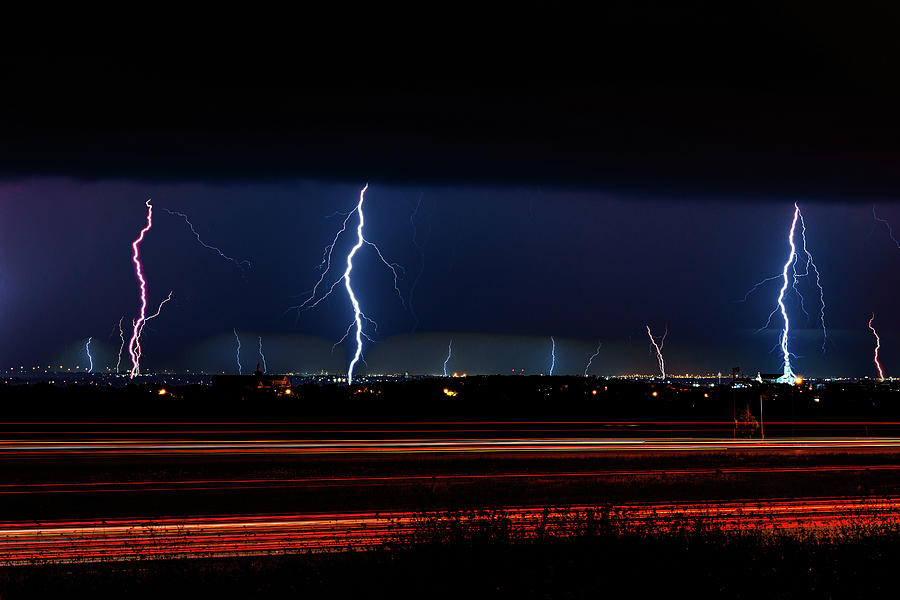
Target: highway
133	446
116	491
24	543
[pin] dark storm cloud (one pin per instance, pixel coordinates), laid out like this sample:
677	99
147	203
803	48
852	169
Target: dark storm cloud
695	100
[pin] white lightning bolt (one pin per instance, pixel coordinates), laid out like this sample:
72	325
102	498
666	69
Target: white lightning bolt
263	356
238	353
87	349
552	354
788	375
122	346
792	263
314	298
357	313
659	347
449	354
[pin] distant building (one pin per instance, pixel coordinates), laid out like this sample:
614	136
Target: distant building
277	385
776	378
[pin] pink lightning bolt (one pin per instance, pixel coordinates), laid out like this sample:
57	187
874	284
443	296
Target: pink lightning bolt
134	346
877	348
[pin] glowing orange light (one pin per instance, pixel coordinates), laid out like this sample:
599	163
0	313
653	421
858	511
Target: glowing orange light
593	392
287	392
162	392
655	394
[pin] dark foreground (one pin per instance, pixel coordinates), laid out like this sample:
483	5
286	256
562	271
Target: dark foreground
857	560
686	503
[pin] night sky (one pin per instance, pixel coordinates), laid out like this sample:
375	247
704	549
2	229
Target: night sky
504	269
580	182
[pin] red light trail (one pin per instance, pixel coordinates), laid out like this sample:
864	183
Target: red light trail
24	543
407	446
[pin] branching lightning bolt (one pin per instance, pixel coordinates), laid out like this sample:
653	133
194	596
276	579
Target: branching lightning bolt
810	263
238	352
87	350
154	315
241	264
449	354
263	356
140	350
792	264
788	375
591	359
877	348
315	298
659	348
134	345
552	354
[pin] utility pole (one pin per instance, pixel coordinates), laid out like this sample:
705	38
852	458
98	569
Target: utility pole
762	432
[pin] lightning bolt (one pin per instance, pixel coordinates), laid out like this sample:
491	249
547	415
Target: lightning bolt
552	355
449	354
810	263
238	352
659	347
877	348
314	298
87	350
591	359
134	345
886	224
360	240
263	356
793	260
154	315
122	345
240	264
420	248
788	375
140	350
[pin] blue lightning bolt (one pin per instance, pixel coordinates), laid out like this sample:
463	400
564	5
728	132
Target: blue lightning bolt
886	224
314	298
241	264
449	354
238	352
552	354
263	356
591	359
793	261
810	263
87	350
